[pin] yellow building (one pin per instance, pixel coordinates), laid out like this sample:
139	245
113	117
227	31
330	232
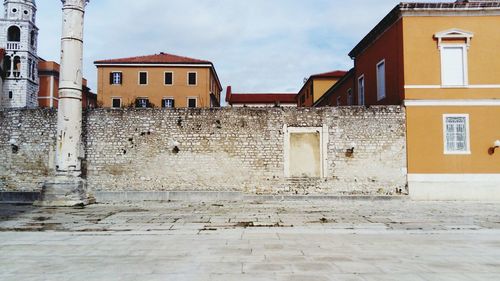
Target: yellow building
161	80
316	86
441	60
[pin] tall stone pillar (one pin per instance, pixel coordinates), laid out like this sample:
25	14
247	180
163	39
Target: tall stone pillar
67	188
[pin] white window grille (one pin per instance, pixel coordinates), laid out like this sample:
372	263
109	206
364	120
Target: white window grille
456	134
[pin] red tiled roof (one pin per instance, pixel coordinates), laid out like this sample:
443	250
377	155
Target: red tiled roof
331	74
259	98
155	59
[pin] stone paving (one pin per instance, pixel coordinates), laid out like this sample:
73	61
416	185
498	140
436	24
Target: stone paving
273	240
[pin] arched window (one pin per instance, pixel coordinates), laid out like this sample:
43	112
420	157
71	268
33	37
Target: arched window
7	64
14	34
17	66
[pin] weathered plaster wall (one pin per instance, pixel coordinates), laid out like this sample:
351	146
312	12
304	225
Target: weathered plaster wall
211	150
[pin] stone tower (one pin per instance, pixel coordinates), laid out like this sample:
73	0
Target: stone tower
18	36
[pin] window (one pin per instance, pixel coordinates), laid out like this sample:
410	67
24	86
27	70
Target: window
14	34
168	103
350	98
17	66
115	78
361	90
10	94
192	102
142	103
143	78
381	80
456	134
169	78
116	102
192	79
339	101
454	65
32	38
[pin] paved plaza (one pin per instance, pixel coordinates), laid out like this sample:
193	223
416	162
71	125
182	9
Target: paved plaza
252	240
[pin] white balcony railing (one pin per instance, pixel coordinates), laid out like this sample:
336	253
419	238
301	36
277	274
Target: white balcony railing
13	46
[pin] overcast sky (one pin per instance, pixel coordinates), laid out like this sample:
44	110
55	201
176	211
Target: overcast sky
256	45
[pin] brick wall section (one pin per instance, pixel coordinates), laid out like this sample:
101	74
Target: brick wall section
239	149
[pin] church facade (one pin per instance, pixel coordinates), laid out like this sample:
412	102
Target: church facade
19	39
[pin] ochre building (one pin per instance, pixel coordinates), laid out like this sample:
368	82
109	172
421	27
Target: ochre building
161	80
441	60
316	86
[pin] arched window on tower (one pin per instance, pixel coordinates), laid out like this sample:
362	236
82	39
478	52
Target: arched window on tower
7	65
17	66
14	34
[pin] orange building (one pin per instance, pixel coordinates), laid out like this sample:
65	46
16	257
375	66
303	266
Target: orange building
161	80
48	95
316	86
340	94
441	61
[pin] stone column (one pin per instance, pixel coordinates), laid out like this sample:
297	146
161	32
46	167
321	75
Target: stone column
67	188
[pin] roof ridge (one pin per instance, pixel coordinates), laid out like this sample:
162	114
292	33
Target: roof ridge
154	57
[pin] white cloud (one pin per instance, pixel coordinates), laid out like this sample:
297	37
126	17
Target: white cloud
258	45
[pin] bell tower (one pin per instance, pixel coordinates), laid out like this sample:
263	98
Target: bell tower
19	39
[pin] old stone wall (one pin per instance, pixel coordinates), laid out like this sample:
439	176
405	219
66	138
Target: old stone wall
240	149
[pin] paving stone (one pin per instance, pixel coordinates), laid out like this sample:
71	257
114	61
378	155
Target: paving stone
428	241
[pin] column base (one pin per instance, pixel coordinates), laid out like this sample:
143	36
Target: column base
65	191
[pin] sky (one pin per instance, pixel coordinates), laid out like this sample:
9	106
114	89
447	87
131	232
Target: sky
255	45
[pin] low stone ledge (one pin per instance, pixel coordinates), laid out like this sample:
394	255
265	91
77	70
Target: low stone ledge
138	196
19	197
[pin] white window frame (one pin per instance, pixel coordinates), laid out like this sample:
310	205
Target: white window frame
350	97
167	98
467	138
191	98
339	100
362	77
465	66
381	96
121	78
139	78
173	79
196	82
116	98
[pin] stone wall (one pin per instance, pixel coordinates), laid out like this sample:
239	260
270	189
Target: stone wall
211	150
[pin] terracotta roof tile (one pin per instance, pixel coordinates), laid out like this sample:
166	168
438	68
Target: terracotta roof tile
331	74
259	98
161	58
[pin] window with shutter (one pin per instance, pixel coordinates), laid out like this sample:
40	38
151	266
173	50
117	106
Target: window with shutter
142	103
168	103
116	103
456	134
453	65
169	78
143	78
192	79
192	103
115	78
